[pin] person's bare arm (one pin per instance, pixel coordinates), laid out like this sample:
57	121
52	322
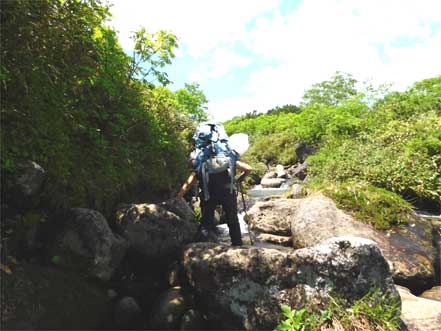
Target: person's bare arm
188	183
245	168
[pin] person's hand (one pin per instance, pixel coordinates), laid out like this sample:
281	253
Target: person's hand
241	178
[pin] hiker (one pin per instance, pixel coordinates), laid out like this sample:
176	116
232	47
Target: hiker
214	166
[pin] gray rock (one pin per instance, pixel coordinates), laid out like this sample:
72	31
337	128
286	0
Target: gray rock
47	298
29	178
26	183
179	207
155	235
274	239
270	175
272	182
128	314
243	288
85	243
316	219
299	171
303	150
296	190
169	310
419	314
273	216
433	294
280	171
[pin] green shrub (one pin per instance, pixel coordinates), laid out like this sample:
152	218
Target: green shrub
374	311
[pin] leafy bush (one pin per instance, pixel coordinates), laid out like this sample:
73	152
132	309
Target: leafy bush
95	119
374	311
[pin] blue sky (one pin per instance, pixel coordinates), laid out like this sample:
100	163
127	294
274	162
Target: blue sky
257	54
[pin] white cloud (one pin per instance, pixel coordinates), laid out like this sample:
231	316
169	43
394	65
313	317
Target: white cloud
201	25
390	41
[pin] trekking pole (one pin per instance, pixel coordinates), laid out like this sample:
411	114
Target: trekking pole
246	215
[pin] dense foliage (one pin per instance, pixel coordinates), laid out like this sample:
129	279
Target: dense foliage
381	147
102	124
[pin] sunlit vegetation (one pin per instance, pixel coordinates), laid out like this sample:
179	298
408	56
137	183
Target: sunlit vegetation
379	145
101	123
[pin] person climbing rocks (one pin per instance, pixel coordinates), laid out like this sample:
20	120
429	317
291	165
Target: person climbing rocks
214	164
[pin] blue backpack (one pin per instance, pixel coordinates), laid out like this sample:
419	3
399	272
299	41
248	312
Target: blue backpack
213	155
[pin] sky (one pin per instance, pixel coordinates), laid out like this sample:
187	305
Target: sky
258	54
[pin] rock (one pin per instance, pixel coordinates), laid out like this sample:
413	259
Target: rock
169	310
173	275
179	207
243	288
303	151
28	179
270	175
85	243
274	239
46	298
296	190
128	314
419	314
299	171
280	171
316	219
155	235
272	217
193	320
272	182
433	294
436	230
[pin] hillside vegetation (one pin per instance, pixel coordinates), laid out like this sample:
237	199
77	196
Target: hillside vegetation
102	124
377	152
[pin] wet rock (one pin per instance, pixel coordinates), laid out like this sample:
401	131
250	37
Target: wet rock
433	294
419	314
317	218
272	182
155	235
242	288
85	243
47	298
128	314
273	216
169	310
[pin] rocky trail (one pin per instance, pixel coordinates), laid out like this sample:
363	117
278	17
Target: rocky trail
143	269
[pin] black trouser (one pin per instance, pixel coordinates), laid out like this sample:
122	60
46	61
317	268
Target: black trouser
228	202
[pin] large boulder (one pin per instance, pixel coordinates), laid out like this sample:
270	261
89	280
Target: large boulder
179	207
419	314
85	243
243	288
155	235
272	216
411	258
128	314
299	171
44	298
